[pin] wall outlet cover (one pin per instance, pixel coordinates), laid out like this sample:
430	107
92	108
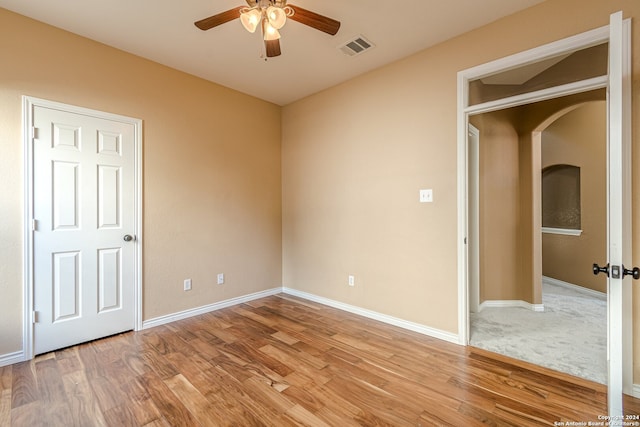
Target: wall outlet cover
426	196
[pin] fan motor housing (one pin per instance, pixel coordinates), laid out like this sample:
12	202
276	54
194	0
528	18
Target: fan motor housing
266	3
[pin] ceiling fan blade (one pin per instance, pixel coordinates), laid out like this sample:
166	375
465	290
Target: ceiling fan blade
272	47
219	19
314	20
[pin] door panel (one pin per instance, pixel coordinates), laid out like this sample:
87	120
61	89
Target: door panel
66	286
83	204
109	197
109	289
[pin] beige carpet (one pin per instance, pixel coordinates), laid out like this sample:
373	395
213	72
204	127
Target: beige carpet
569	336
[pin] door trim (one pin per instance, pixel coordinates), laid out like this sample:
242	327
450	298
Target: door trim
28	105
583	40
473	219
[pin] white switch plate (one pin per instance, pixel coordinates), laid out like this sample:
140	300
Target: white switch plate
426	196
187	284
220	278
352	280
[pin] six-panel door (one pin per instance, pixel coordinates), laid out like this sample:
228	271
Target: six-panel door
83	207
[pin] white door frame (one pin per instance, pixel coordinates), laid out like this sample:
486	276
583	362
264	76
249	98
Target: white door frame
584	40
28	105
473	220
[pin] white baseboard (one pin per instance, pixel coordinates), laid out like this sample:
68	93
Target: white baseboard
11	358
162	320
635	392
581	289
415	327
511	303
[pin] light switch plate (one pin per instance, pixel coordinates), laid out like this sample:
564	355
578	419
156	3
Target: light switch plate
426	196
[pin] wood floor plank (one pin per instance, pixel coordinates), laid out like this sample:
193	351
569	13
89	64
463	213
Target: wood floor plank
333	403
250	350
5	407
68	360
169	405
120	415
283	361
50	381
30	414
5	377
159	364
83	403
302	416
140	402
375	401
240	409
301	396
23	387
194	401
267	395
290	360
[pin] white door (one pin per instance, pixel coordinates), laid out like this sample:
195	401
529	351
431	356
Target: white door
619	219
83	210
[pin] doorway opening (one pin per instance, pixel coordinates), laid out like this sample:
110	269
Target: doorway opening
569	134
83	225
616	82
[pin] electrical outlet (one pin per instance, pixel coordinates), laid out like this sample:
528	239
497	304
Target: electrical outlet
220	278
426	196
352	280
187	284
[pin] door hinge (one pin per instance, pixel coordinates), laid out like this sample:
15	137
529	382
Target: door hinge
34	132
34	316
34	225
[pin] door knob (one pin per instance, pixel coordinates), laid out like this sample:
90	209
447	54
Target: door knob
634	272
128	237
597	269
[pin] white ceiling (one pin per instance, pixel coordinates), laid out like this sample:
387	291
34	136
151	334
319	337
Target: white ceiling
163	31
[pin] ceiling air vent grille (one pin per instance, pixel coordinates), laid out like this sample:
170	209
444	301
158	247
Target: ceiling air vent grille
356	46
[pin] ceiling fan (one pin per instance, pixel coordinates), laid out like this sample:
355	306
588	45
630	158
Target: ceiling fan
270	15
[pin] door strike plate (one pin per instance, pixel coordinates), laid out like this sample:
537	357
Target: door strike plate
615	271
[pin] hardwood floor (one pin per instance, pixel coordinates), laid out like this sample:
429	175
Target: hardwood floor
283	361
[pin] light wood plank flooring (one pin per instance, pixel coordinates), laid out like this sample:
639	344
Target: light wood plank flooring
283	361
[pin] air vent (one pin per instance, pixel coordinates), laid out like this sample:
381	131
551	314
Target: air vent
356	46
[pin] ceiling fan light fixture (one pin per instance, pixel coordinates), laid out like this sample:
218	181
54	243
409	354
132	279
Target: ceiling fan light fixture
271	15
250	19
277	17
269	32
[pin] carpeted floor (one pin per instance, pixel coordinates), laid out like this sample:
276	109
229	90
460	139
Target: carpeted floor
569	336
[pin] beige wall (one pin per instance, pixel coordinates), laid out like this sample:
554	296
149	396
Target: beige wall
211	184
354	159
499	206
355	156
579	139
